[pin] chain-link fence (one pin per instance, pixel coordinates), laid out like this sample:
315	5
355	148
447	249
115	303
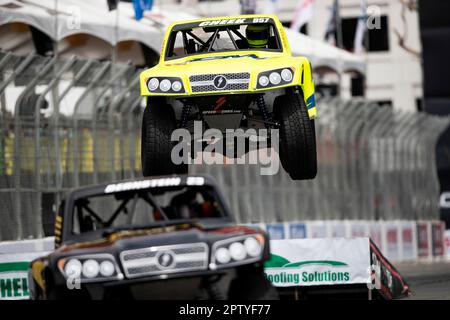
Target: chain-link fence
64	124
374	163
69	123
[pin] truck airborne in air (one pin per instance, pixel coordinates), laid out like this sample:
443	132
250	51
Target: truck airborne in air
228	73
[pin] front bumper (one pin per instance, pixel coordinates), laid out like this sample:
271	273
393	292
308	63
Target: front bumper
193	285
200	91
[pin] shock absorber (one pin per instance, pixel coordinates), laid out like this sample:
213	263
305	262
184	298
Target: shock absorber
185	112
263	109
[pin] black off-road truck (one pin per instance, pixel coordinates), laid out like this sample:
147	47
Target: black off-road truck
158	238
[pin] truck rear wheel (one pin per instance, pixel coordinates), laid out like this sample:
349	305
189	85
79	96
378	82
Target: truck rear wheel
297	137
158	123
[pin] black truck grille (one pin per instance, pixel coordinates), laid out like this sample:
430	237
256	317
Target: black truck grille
234	81
165	259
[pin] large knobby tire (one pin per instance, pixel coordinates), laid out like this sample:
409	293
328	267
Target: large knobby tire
297	137
158	123
252	287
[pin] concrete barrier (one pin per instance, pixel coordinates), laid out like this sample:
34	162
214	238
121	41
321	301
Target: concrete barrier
399	240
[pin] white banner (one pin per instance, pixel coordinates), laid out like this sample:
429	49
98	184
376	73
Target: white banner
15	257
314	262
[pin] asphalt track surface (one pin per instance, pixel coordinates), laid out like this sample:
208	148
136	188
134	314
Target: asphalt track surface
428	281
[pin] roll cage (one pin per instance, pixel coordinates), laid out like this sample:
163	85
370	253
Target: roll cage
238	40
165	213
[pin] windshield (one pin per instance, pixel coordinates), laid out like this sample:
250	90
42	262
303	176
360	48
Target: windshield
186	40
134	209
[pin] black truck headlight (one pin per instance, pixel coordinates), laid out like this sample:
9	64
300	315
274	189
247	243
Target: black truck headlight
237	251
273	78
165	85
96	267
107	268
253	247
73	268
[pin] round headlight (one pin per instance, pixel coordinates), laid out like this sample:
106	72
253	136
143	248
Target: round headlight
73	268
253	247
237	251
153	84
275	78
223	255
286	75
263	81
90	268
176	86
165	85
107	268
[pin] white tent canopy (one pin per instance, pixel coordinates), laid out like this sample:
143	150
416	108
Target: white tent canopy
62	18
323	54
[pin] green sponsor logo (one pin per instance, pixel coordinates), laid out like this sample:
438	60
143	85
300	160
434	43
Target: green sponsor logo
291	277
13	280
281	262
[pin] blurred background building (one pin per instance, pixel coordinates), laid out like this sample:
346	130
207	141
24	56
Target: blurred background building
390	47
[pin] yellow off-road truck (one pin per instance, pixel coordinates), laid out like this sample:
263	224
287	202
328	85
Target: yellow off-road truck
230	73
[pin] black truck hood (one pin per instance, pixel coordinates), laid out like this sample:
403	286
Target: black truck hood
156	236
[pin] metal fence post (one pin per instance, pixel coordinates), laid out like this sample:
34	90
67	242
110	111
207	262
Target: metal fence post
89	88
37	140
111	128
18	70
17	157
95	120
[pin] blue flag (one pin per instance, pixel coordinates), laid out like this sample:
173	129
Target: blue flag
140	6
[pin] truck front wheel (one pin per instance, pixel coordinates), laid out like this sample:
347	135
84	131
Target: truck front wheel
297	137
158	123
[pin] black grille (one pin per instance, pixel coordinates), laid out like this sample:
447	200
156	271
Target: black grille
189	264
188	250
145	261
230	86
141	270
135	256
210	77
